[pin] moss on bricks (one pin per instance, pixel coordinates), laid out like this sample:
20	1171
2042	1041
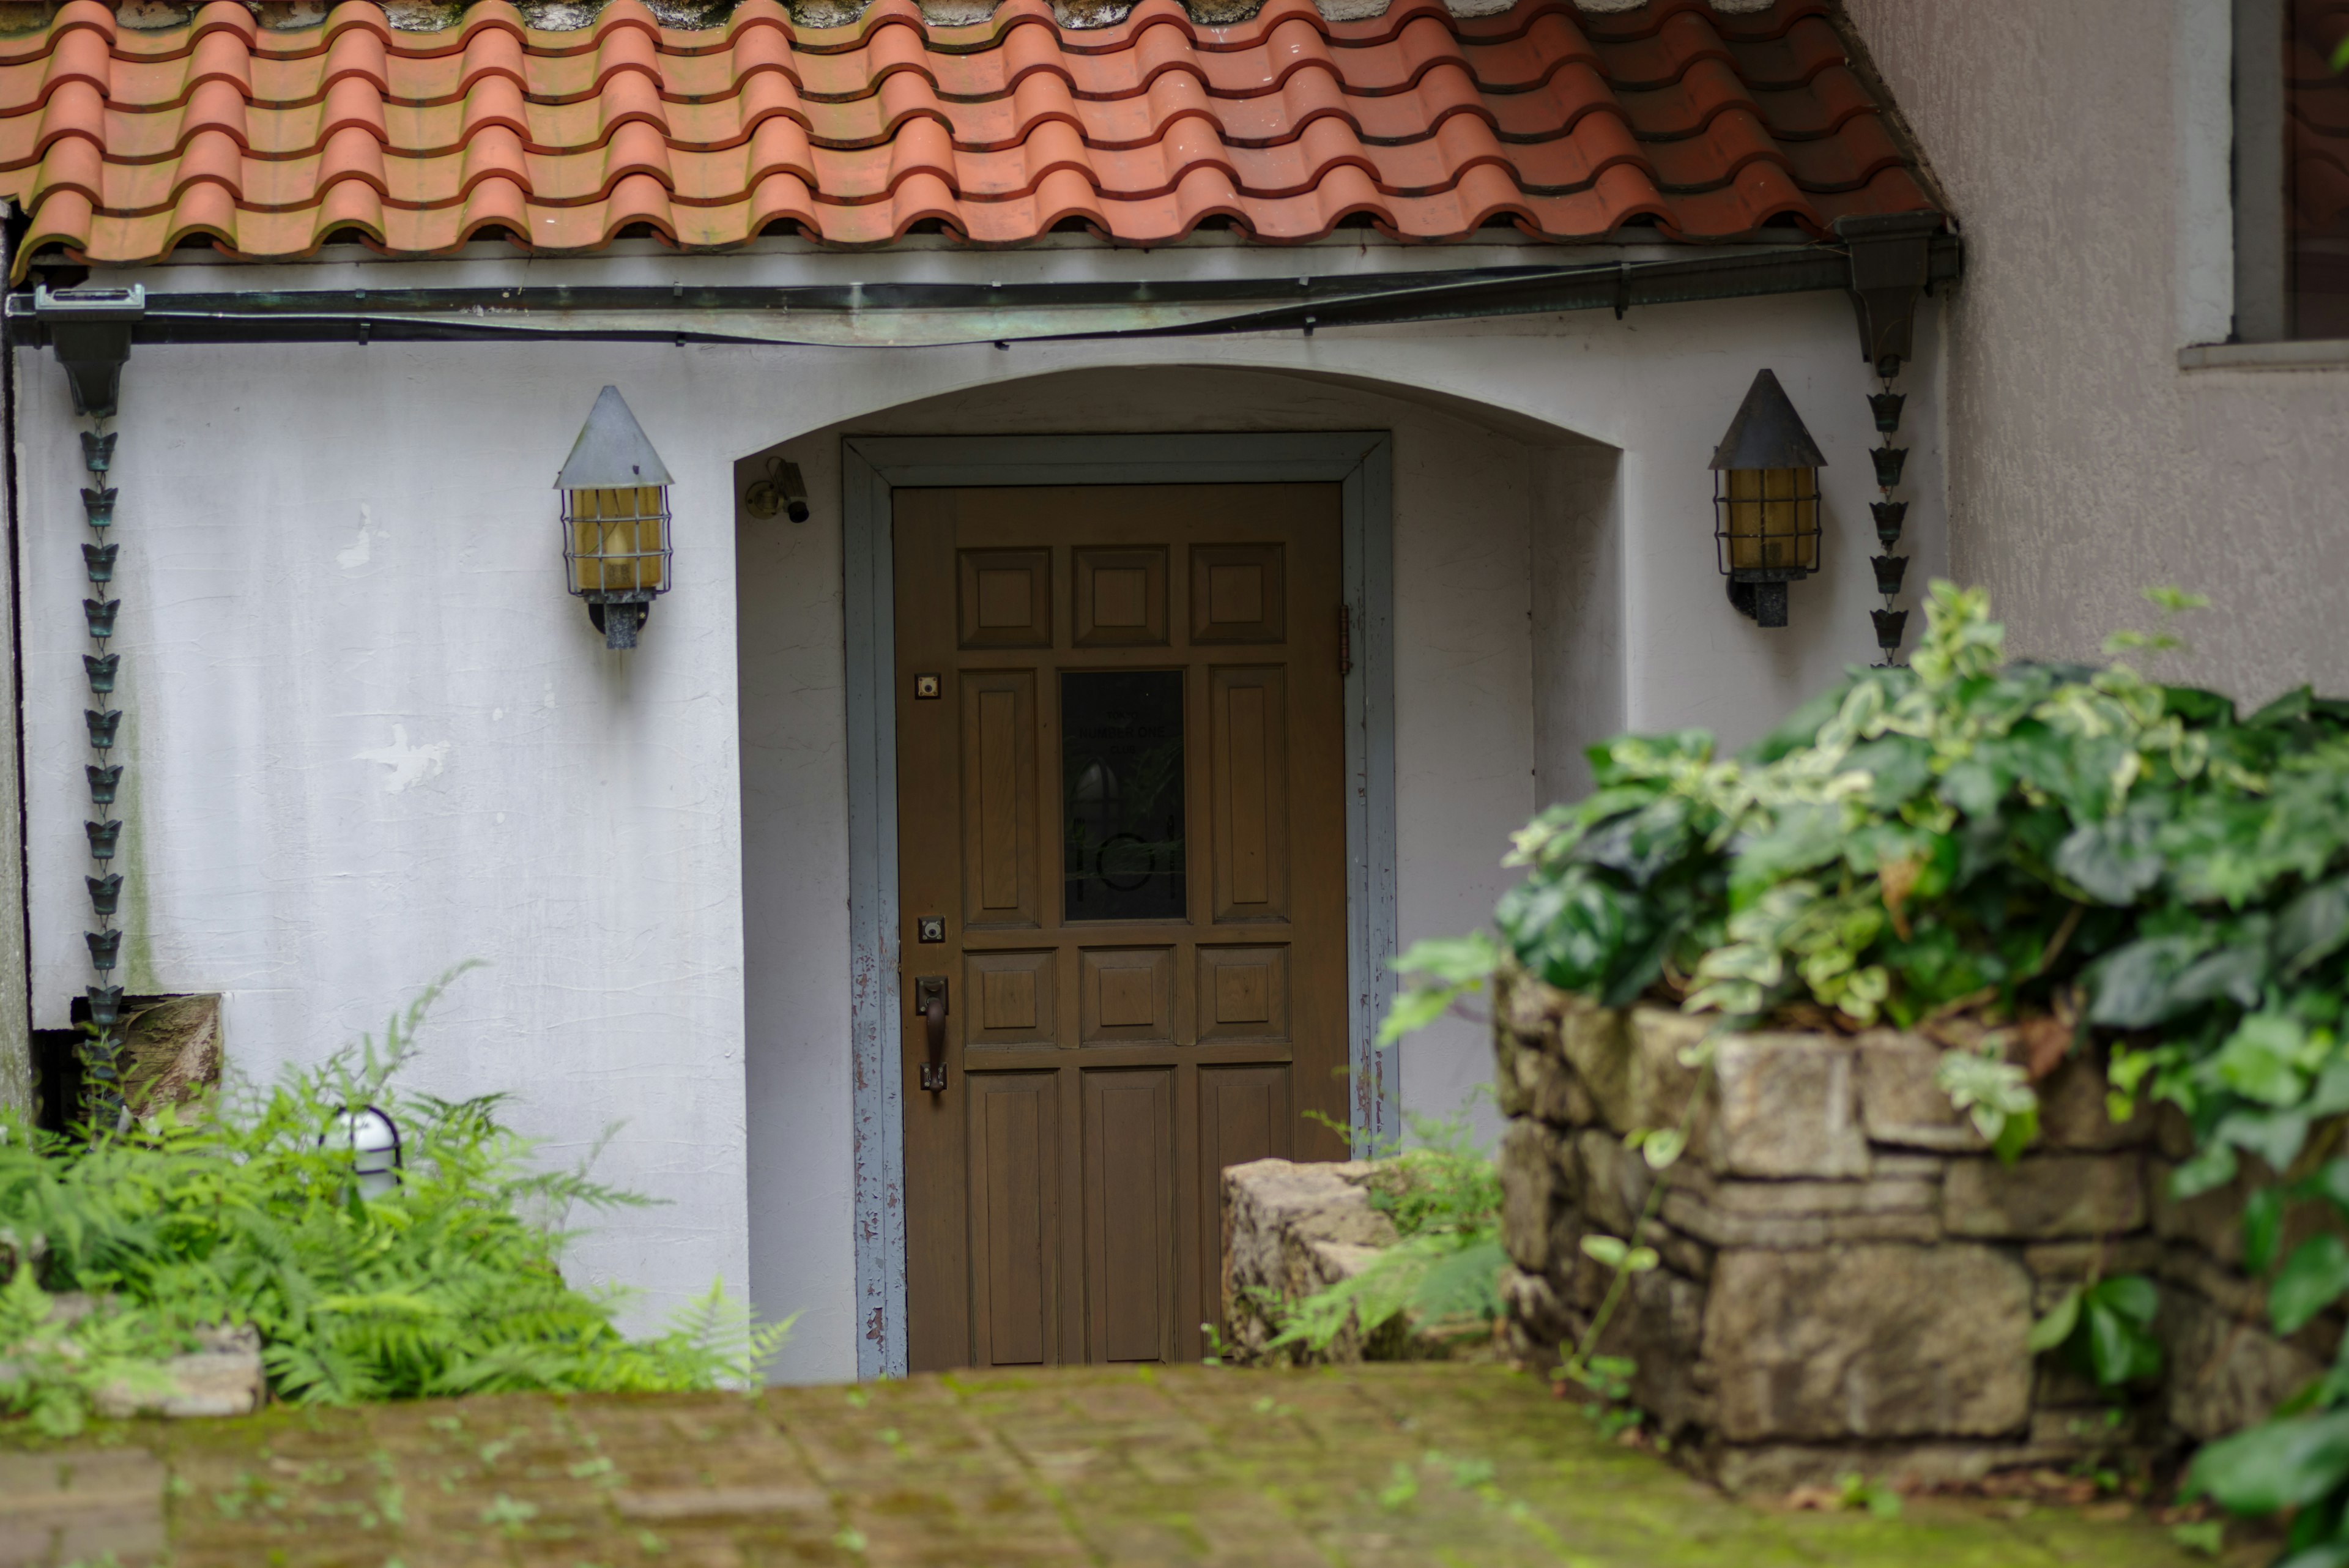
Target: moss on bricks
1367	1466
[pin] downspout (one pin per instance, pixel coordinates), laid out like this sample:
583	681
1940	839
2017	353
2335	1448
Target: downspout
91	330
1891	269
16	1091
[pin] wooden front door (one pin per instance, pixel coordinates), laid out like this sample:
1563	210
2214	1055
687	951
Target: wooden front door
1122	859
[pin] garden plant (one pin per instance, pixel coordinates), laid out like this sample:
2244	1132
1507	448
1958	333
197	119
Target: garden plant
244	1211
2025	860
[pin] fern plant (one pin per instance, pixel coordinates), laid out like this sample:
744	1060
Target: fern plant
245	1212
1445	1198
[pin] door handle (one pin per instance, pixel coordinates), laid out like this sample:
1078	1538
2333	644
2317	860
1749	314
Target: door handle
930	1001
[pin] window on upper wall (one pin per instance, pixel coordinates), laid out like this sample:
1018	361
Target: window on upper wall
2291	171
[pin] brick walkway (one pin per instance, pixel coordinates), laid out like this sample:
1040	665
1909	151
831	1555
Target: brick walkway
1404	1466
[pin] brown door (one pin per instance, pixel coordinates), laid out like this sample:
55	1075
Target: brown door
1121	848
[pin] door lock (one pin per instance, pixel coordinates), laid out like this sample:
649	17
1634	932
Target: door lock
930	1002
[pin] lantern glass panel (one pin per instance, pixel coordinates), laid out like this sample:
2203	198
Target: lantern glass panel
1770	519
618	540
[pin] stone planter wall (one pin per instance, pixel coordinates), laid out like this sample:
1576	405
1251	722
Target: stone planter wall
1848	1277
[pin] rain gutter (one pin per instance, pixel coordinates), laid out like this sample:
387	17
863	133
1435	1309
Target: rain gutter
906	315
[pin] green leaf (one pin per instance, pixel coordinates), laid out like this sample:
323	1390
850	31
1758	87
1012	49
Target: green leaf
1609	1251
2276	1137
2326	1555
2280	1465
2112	861
2120	1349
2292	705
1900	765
1975	787
2214	1166
2057	1327
1455	961
2262	1224
2311	927
2132	1296
1414	1010
2263	1059
2331	1096
1640	1261
2133	984
2311	1279
2330	1182
2020	1128
1663	1147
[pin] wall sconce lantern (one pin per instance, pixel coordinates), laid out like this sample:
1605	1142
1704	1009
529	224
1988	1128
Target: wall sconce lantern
1766	502
615	533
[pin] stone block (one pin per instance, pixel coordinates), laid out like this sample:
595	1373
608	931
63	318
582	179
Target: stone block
171	1050
1615	1180
1535	1305
2069	1262
2210	1220
1290	1229
1682	1253
1661	1326
222	1378
1901	1105
1868	1342
2072	1110
1718	1227
1784	1105
2044	1196
1508	1093
1539	1183
1551	1091
1765	1469
2224	1372
1879	1194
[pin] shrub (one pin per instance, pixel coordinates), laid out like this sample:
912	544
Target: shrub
242	1214
2017	856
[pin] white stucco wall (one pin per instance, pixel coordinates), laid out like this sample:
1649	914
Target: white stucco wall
370	735
2083	148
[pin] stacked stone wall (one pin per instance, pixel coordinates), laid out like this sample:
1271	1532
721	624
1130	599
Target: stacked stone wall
1848	1277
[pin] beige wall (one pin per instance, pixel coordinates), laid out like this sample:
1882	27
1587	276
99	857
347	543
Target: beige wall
2084	464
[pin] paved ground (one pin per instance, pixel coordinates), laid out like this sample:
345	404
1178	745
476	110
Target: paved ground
1371	1468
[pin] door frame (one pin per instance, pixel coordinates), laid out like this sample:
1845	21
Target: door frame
1360	463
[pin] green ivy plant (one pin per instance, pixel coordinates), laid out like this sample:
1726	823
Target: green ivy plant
245	1213
2017	857
2104	1328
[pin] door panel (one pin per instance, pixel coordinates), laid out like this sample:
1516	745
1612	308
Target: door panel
1015	1188
1122	852
1247	710
999	798
1129	1213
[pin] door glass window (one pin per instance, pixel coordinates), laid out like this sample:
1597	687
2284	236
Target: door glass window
1122	794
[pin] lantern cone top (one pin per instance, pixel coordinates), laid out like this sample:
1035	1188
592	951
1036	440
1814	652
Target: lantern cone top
612	452
1767	432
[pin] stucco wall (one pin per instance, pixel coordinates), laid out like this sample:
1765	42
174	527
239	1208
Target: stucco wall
370	735
2077	144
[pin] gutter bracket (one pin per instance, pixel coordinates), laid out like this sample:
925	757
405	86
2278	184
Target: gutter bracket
91	330
1891	257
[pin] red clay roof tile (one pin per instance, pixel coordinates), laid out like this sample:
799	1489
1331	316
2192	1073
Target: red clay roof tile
123	145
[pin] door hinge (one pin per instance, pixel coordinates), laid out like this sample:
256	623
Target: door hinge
1345	640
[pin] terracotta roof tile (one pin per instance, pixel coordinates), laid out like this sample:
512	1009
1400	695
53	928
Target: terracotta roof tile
123	145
